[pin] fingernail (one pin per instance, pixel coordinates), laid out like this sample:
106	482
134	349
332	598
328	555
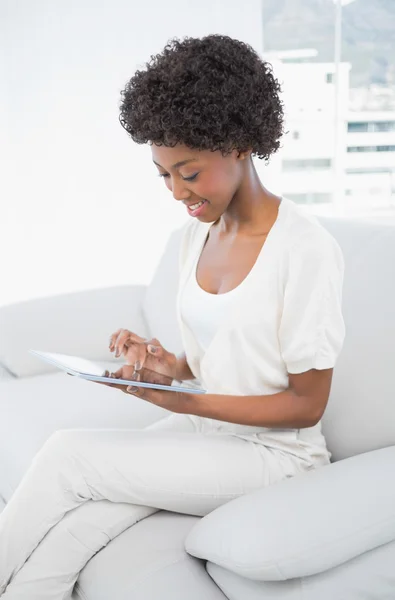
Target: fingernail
132	389
137	365
152	349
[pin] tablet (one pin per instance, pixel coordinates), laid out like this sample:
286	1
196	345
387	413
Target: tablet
86	369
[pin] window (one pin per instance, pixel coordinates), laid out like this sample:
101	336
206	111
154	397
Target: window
371	149
367	170
371	126
384	126
313	163
357	127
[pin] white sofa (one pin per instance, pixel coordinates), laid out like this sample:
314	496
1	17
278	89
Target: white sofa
327	534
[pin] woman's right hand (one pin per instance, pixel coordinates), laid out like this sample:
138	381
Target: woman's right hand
146	360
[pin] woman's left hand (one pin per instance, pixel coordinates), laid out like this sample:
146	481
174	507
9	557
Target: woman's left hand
178	402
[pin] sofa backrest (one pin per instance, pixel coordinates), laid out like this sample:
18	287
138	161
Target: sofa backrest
360	415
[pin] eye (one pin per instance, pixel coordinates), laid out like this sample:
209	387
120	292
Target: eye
184	178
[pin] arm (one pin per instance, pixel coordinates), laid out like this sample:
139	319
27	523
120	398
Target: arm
301	405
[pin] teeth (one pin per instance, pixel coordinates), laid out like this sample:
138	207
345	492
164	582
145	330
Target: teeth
195	206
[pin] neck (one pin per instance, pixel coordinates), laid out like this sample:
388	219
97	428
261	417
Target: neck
252	207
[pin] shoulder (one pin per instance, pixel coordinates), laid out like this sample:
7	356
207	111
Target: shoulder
307	241
305	233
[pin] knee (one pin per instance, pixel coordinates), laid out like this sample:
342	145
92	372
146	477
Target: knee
62	443
57	459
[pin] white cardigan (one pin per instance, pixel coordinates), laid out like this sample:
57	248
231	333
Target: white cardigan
286	318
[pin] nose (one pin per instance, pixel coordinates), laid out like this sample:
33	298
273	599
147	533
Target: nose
180	192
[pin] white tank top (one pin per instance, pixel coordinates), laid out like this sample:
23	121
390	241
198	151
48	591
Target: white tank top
203	311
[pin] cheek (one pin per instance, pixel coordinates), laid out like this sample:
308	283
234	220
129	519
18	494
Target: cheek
217	188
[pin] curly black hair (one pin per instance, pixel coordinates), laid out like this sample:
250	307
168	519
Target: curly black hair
210	93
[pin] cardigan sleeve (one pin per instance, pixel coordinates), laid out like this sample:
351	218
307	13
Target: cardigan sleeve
312	328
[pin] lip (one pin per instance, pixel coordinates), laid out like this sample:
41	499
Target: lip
198	211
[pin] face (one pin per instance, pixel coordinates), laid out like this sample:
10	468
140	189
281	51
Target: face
206	182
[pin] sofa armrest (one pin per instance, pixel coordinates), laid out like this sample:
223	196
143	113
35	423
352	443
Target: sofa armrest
78	323
303	525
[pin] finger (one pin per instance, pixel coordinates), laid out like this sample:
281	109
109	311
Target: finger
136	376
126	338
119	342
104	382
133	390
157	348
141	355
136	355
147	394
143	393
105	374
156	376
113	337
116	374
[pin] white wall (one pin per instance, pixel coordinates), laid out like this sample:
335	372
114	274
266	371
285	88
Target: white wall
80	204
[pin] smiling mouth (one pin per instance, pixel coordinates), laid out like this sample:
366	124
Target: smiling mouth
197	205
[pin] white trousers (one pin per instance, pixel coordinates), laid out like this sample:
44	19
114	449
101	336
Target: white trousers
85	487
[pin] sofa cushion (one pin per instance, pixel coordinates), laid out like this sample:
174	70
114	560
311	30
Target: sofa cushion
303	525
370	575
236	587
148	562
32	408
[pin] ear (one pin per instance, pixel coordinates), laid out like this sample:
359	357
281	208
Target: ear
244	155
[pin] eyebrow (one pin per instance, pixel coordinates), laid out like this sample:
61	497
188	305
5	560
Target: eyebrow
178	164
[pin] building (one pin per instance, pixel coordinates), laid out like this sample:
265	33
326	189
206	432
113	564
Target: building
330	154
370	157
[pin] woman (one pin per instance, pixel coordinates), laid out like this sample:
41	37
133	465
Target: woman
259	308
